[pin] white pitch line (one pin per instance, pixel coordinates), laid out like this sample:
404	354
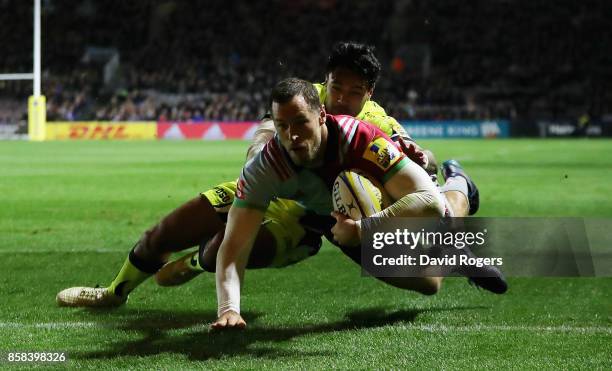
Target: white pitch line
55	251
423	327
51	325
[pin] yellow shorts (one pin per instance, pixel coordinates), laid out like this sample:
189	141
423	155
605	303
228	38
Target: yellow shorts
282	219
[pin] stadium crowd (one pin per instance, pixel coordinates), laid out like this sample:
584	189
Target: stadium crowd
182	61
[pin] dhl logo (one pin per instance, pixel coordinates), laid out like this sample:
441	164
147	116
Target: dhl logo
98	132
102	130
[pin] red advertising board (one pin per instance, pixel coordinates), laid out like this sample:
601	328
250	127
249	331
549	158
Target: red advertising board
207	130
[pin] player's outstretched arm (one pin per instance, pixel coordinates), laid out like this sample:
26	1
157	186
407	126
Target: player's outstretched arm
414	193
240	233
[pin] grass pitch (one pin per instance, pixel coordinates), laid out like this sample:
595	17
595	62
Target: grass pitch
70	211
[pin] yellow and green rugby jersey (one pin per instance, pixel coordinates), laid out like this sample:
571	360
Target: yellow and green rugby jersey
371	112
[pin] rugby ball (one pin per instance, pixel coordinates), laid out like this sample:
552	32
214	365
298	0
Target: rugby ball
356	196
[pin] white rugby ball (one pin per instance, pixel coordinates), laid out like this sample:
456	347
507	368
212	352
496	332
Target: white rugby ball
356	196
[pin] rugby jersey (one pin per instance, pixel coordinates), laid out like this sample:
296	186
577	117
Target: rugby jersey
351	144
373	113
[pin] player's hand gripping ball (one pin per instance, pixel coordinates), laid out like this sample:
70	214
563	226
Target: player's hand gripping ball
356	196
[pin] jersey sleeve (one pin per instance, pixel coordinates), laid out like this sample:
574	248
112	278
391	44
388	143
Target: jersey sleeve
321	91
369	149
383	158
376	115
258	183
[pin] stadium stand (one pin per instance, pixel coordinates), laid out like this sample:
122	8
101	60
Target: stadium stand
183	61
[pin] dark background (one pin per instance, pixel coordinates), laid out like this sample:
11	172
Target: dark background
521	60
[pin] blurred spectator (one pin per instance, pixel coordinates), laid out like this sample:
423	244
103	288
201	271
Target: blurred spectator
182	61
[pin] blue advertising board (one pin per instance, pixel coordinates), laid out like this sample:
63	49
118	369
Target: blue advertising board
458	129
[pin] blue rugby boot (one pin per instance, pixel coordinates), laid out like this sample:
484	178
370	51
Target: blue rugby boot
452	168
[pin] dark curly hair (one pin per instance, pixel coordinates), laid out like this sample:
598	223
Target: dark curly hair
356	57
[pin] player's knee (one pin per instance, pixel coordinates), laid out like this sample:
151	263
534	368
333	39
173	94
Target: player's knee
458	201
207	261
208	266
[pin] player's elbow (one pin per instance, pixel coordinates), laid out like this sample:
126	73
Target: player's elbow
432	163
423	203
433	205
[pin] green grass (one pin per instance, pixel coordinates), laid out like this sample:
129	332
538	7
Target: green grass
70	211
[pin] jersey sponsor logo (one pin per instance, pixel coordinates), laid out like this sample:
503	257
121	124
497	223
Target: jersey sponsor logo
222	194
381	152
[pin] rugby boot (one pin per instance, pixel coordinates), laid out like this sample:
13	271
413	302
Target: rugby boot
93	297
452	168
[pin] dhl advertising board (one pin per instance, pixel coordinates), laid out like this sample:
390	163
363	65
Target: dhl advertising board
102	130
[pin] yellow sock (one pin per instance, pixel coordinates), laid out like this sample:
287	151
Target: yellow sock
130	276
193	261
